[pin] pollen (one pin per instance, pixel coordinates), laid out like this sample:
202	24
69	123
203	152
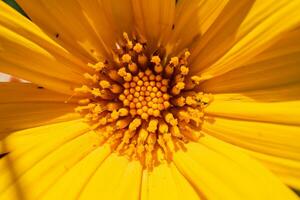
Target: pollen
144	105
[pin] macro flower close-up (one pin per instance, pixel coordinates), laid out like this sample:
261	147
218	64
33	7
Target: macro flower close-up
150	99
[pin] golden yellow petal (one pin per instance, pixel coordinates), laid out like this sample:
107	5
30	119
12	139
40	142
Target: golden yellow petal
166	182
288	170
15	22
286	92
154	20
239	157
59	20
28	53
17	92
242	31
47	171
73	181
34	164
274	139
130	183
192	19
276	66
159	184
107	178
271	134
25	139
221	171
285	112
184	188
15	116
24	105
109	19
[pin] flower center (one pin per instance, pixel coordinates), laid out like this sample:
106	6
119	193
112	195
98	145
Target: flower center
145	94
143	104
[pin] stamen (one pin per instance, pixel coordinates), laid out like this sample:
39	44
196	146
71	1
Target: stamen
177	88
129	42
98	66
105	84
126	58
138	48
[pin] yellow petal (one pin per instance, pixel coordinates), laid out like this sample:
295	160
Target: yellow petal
165	182
192	19
16	92
285	112
109	19
219	145
286	92
50	168
158	184
130	183
33	150
28	53
271	134
184	188
12	20
220	171
111	180
154	20
276	66
288	170
274	139
275	105
67	24
71	184
24	139
24	105
251	27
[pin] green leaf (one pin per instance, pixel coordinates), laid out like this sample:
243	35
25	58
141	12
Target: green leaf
16	6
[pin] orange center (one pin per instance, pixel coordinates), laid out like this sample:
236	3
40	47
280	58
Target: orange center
143	104
145	94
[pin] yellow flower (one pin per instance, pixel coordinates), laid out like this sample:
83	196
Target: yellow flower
187	99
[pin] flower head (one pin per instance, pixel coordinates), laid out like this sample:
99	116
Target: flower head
184	99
